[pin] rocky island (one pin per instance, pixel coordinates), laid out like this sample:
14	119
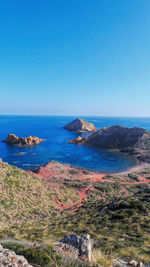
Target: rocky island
134	141
80	125
12	139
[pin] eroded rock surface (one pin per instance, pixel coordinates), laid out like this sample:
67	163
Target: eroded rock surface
80	125
134	141
132	263
78	140
77	246
12	139
8	258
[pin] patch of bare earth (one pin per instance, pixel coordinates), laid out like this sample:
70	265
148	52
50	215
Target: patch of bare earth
81	182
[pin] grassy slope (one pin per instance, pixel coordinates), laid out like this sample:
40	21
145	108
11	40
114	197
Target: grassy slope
116	215
22	196
120	226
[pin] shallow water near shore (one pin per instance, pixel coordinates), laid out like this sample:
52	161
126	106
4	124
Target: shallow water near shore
56	147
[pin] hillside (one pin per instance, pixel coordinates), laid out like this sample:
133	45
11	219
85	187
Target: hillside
26	198
59	200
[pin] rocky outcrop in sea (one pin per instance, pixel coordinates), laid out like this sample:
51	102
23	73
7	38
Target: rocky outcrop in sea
80	125
12	139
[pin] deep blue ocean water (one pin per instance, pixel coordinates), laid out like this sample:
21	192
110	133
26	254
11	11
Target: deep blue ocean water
56	147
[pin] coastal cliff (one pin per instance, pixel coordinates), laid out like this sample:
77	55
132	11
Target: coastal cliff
134	141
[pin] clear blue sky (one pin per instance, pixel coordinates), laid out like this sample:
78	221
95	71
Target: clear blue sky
81	57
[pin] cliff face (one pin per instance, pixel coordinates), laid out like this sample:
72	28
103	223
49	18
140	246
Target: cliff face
80	125
135	141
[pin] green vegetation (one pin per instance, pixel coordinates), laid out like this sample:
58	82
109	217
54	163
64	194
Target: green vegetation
43	255
118	226
23	196
117	216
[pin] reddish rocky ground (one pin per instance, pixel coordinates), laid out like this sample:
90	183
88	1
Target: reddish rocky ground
82	182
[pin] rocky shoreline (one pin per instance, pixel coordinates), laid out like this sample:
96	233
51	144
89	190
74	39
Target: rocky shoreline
75	200
132	141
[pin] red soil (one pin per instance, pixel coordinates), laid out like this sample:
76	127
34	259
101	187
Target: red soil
56	173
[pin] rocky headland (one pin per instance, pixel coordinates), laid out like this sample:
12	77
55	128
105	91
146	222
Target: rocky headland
12	139
80	125
134	141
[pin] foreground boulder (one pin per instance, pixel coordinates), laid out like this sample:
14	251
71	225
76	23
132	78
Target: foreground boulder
12	139
10	259
132	263
80	125
134	141
77	246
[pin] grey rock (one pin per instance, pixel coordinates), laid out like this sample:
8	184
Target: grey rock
81	246
132	263
120	263
9	258
134	141
63	248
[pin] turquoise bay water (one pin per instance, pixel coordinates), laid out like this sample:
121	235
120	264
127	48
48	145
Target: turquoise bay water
56	147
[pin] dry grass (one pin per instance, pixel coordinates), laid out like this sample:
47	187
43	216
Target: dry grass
116	216
101	259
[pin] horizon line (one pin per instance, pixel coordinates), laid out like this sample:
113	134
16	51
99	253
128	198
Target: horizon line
74	115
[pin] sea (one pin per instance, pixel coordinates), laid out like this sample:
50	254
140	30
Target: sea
56	146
